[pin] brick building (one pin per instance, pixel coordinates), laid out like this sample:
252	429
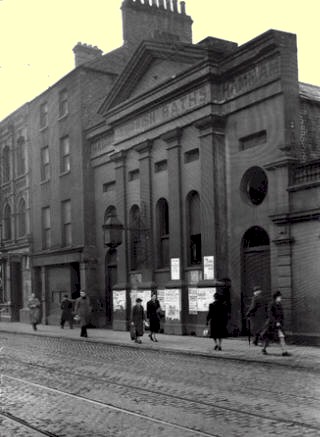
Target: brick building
177	167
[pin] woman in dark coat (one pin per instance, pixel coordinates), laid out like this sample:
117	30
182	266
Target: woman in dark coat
34	307
137	319
66	315
273	329
153	314
83	310
218	318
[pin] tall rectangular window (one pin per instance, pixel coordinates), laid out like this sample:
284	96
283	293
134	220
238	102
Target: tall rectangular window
43	115
46	228
45	164
65	155
63	103
20	156
66	223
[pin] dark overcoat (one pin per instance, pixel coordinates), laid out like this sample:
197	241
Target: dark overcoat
138	317
83	309
275	316
66	306
34	307
153	315
257	314
218	318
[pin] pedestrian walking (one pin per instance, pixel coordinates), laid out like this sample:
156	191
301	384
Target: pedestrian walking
154	315
66	315
83	310
256	314
273	329
137	320
34	310
217	317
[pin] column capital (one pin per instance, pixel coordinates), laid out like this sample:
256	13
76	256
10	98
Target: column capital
119	158
144	148
173	137
212	123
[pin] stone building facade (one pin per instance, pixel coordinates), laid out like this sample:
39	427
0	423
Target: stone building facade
198	159
15	230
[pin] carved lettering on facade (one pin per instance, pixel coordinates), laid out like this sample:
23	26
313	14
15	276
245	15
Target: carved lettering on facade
163	113
102	145
257	75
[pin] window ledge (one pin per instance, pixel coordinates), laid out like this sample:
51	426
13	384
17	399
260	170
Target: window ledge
65	173
62	117
45	181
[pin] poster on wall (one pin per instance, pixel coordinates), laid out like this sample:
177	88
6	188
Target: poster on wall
173	304
205	297
175	269
161	298
208	267
119	300
193	300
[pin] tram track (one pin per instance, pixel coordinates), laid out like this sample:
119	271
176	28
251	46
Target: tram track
193	432
25	424
109	383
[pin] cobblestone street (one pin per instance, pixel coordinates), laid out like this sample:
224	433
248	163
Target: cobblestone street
63	387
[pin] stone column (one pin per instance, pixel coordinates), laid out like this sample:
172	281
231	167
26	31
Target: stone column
44	295
214	219
119	159
146	210
176	242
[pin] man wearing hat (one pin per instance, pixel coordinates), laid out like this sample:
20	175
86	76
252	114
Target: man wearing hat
256	314
137	319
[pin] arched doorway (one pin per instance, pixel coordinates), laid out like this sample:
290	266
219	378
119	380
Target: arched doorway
255	267
110	281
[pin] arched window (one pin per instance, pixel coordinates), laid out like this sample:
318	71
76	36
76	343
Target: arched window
6	164
7	223
135	238
194	228
162	215
22	218
20	155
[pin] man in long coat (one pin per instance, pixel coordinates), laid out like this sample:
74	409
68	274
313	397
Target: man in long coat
66	315
83	310
256	314
137	319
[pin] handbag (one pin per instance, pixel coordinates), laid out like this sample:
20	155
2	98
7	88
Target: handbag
161	313
205	332
76	318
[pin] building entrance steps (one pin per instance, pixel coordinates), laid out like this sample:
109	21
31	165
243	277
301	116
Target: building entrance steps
303	357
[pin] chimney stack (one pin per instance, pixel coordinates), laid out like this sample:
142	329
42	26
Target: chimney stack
141	20
84	53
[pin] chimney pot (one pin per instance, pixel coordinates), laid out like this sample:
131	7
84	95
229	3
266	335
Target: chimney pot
183	7
175	5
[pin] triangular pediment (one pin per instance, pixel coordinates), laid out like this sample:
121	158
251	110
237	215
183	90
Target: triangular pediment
152	65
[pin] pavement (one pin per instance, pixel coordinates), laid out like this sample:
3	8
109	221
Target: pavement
238	349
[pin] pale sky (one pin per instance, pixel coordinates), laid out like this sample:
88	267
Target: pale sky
37	36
